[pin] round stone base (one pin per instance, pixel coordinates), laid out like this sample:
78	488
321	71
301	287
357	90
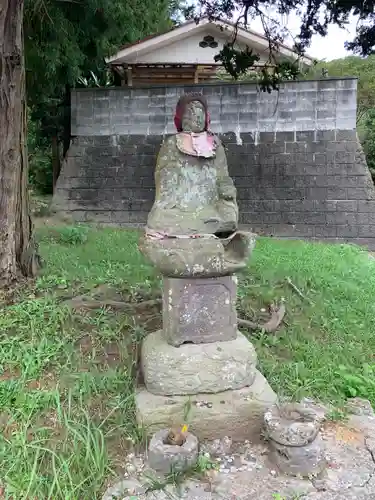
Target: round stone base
302	461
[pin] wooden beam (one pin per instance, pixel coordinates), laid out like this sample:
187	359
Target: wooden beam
161	71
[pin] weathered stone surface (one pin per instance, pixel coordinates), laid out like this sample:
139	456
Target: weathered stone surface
322	410
188	193
217	447
197	368
199	310
165	457
124	489
359	406
292	424
200	257
353	494
238	414
191	490
350	462
301	461
245	472
191	228
364	423
260	484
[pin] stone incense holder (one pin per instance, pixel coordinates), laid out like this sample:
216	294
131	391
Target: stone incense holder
164	457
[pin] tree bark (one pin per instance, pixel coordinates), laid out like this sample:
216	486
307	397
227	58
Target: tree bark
18	256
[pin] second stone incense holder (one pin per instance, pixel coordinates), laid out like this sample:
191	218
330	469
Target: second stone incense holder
192	237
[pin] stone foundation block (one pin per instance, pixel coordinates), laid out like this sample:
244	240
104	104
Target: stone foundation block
199	310
165	457
238	414
197	368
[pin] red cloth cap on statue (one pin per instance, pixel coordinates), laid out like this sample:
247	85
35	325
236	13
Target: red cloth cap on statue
181	105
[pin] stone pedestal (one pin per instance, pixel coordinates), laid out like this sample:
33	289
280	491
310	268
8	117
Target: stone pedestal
200	356
199	310
197	368
236	413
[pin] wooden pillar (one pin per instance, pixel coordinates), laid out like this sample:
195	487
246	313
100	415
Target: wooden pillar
196	74
129	76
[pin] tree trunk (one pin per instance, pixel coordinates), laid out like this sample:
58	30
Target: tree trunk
18	256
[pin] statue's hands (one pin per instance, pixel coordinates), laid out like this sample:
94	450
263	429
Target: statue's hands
226	188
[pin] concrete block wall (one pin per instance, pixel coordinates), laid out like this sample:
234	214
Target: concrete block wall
294	156
306	105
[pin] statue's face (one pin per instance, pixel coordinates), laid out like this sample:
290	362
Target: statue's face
194	117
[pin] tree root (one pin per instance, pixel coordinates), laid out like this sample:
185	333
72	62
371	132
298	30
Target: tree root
277	316
84	302
30	261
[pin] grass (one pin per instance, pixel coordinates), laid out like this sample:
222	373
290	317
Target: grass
67	379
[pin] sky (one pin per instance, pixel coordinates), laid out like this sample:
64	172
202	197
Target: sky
328	48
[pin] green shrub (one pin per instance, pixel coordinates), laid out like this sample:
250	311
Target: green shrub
68	235
73	235
40	161
369	141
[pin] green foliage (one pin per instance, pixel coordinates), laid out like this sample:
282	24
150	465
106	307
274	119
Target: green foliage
40	161
70	235
363	69
337	414
267	79
66	40
67	385
316	17
240	65
65	46
236	62
105	79
359	384
368	140
205	463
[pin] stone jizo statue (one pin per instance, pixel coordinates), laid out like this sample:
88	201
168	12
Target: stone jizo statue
192	226
192	238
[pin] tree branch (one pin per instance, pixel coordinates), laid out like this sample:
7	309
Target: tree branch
277	316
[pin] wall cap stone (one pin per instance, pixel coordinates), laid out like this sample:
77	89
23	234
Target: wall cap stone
214	84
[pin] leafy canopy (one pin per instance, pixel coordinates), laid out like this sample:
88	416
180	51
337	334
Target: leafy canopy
316	16
66	39
363	69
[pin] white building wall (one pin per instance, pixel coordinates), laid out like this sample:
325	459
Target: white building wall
187	51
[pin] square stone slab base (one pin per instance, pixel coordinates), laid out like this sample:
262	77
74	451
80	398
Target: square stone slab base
235	413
